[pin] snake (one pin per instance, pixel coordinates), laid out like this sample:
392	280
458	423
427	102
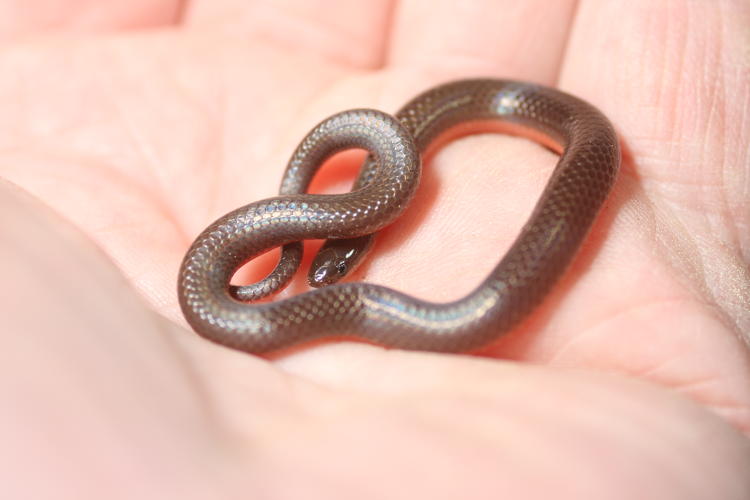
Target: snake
589	160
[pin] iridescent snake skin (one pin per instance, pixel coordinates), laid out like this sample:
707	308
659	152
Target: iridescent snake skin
545	246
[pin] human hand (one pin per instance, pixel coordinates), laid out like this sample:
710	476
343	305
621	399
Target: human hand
637	381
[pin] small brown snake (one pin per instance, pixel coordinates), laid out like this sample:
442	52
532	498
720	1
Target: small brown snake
545	246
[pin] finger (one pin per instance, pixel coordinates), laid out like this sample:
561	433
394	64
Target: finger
523	40
32	17
352	33
89	377
87	370
500	426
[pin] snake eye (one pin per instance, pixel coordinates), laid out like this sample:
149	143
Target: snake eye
341	267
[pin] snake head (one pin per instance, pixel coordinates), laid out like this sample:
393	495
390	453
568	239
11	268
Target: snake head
329	266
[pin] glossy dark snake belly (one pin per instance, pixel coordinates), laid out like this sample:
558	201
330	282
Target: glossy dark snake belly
545	246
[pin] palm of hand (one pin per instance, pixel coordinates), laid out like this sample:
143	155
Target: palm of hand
141	140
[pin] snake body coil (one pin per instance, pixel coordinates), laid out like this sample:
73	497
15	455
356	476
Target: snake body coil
547	243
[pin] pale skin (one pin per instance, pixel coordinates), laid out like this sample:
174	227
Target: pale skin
131	125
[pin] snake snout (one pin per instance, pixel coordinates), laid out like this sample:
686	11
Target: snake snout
325	274
329	266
